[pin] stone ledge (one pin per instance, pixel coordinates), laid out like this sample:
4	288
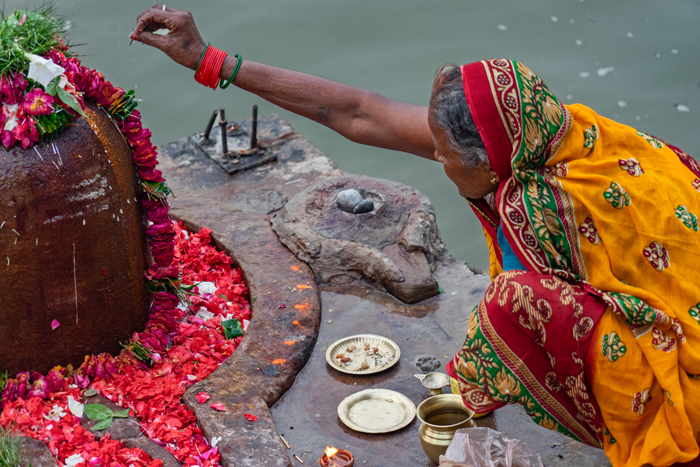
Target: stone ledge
278	341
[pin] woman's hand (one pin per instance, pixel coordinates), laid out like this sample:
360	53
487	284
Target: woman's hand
182	43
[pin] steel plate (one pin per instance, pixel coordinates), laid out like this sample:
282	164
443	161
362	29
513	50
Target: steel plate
376	411
359	340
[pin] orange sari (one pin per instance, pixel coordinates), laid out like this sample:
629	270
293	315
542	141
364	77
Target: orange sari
610	213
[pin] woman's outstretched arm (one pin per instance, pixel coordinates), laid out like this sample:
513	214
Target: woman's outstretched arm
362	116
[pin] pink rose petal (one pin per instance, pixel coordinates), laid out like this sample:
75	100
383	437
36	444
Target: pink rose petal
54	324
218	406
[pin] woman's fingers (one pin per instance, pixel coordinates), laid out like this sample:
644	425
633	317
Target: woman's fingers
182	43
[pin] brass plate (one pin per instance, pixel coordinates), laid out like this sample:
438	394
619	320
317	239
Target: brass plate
376	411
384	344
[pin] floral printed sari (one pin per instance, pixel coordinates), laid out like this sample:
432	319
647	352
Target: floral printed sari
600	338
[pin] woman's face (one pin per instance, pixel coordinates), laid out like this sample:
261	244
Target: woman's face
472	182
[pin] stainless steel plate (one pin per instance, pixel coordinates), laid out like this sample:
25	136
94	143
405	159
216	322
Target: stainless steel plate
384	345
376	411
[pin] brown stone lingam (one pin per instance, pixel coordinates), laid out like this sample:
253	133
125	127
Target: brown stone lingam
72	247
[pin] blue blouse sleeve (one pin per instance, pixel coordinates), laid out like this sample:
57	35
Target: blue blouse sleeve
510	261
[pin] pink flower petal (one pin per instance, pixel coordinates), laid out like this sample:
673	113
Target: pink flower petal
55	324
282	306
202	397
218	406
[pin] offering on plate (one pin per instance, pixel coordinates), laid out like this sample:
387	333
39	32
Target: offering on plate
356	358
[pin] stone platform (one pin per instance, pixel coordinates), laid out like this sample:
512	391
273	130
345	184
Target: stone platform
279	372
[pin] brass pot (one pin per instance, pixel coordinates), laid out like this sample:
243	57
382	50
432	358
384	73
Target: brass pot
441	416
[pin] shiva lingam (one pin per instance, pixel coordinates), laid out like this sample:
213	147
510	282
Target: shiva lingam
441	417
336	458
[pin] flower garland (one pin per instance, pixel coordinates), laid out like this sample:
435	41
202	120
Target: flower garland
153	394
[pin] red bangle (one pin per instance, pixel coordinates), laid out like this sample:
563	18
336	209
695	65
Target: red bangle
210	67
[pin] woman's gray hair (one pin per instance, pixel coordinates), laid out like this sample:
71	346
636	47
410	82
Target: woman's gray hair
452	114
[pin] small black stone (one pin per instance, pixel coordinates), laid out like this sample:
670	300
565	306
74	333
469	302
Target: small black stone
427	363
364	206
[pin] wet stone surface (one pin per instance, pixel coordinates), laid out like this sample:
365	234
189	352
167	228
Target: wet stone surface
307	415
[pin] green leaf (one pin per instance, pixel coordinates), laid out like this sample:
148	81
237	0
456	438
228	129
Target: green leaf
98	412
106	423
52	86
68	99
223	296
440	289
121	414
252	300
232	328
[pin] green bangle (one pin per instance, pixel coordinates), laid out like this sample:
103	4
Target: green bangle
235	71
201	58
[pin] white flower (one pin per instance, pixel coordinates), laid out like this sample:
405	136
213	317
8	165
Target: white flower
11	120
42	70
73	460
206	287
204	314
55	414
75	407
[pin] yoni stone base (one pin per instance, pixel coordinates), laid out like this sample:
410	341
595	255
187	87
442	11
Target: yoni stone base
72	248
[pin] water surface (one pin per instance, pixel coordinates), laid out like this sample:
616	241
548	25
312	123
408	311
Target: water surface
633	61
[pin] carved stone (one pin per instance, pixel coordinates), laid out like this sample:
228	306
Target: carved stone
395	246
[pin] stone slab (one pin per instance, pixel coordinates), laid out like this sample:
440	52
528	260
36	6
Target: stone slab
36	453
307	414
300	163
279	340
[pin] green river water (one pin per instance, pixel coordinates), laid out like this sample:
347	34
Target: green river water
633	61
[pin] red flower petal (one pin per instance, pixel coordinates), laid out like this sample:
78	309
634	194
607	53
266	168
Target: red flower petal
202	397
250	417
218	406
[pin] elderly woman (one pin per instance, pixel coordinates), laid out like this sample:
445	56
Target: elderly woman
592	321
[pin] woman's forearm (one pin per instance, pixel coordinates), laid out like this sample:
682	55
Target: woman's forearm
361	116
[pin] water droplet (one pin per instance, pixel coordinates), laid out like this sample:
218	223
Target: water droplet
554	19
674	51
579	42
681	108
622	103
629	34
502	27
584	74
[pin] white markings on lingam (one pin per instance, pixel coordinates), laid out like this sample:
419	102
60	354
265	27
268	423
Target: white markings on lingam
75	285
38	153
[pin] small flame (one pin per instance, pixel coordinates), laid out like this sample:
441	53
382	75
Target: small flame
330	451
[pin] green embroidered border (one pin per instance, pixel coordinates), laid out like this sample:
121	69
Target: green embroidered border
503	384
